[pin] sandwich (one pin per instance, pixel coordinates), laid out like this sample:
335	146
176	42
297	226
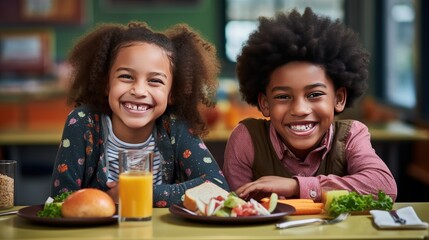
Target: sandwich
203	193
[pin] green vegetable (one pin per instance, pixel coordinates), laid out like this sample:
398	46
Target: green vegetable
223	212
62	196
354	202
273	202
53	210
233	200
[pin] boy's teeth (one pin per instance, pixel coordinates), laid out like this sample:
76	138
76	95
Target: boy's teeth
305	127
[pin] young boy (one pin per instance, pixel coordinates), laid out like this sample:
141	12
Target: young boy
301	71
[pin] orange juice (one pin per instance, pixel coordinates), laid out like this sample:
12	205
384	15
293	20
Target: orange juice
135	194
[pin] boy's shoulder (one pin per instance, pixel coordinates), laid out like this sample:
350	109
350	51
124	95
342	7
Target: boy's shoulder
344	122
256	127
349	122
255	121
349	127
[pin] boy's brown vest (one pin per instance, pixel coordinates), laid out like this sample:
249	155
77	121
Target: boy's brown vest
267	163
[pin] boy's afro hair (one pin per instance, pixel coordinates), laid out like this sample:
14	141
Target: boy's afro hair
307	37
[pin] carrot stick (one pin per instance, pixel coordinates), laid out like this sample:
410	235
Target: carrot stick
302	206
303	200
291	201
307	210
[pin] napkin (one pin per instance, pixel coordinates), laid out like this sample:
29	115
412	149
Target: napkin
383	219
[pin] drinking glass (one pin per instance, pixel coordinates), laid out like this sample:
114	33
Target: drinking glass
7	183
135	186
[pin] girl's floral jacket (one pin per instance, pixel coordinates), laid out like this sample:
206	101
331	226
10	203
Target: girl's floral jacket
81	159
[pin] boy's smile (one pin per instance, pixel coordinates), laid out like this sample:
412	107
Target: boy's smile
301	102
301	128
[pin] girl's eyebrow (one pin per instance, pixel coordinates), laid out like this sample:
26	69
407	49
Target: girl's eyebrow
311	86
132	70
159	74
123	69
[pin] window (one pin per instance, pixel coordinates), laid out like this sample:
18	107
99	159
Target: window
241	17
423	70
399	53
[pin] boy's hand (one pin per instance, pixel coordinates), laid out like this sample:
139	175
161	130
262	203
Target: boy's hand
113	192
264	186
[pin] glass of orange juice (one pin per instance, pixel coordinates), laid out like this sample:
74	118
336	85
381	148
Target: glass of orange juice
135	186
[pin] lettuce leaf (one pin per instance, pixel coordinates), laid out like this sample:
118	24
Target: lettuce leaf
354	202
53	209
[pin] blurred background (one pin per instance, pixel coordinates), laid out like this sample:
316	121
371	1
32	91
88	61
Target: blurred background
36	36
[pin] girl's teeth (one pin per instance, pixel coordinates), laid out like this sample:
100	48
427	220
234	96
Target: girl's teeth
135	107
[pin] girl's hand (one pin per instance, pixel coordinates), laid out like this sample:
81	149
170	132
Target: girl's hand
113	192
264	186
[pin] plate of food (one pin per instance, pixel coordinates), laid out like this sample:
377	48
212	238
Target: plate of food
207	203
86	207
30	213
281	211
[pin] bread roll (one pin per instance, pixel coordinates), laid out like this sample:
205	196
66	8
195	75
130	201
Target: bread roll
203	192
88	203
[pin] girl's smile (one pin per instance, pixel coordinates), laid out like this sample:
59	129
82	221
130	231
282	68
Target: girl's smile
139	88
136	107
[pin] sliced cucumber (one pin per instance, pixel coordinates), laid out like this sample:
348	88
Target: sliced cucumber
273	202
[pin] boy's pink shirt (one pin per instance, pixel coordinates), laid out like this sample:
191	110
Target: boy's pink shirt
367	172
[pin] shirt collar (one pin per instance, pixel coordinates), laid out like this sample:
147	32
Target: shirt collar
281	148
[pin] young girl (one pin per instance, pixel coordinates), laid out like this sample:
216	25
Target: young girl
300	71
135	88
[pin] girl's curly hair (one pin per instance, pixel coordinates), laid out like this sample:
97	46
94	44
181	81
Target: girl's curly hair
195	75
307	37
194	64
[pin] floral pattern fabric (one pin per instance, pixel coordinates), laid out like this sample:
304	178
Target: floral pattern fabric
81	159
